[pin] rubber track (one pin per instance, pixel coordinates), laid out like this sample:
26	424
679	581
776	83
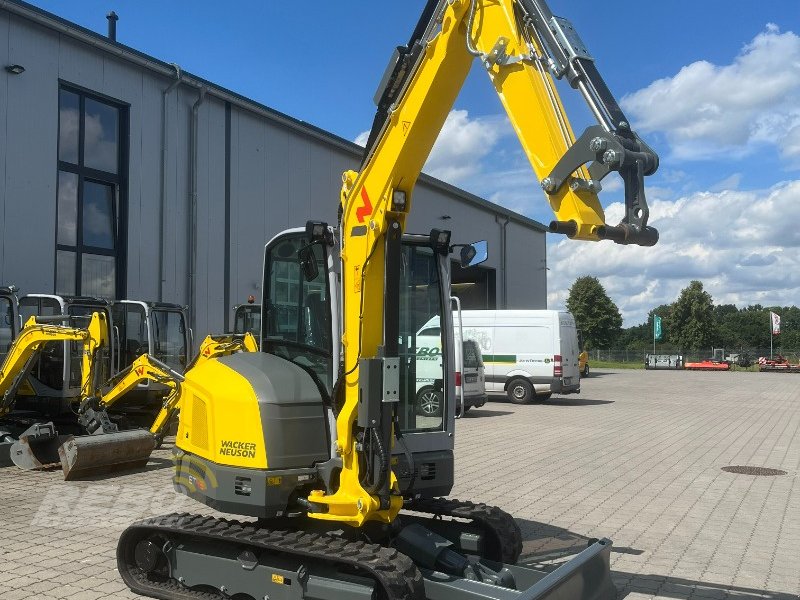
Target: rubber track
393	571
491	518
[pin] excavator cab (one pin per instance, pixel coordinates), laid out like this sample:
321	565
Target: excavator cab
247	319
9	319
55	380
301	324
158	329
299	311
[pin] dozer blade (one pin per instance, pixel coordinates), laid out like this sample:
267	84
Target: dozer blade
37	447
89	455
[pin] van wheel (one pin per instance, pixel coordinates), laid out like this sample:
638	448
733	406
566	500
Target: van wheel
429	402
520	391
586	370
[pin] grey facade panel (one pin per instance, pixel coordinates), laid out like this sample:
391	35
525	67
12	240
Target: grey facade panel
30	159
527	264
282	173
4	59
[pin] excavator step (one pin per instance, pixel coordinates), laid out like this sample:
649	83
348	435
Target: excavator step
89	455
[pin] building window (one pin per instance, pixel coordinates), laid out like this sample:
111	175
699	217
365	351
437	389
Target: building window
91	209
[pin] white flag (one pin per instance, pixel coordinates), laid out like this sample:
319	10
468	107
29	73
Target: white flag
776	323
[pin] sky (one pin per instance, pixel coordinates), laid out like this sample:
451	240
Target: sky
712	85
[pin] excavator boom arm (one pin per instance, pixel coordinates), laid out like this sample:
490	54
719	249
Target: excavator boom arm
522	46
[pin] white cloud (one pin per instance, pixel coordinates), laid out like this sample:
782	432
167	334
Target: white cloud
707	111
743	246
460	151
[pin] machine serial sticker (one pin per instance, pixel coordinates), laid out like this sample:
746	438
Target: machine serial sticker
232	448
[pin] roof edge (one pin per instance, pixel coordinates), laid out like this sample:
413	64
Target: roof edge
121	51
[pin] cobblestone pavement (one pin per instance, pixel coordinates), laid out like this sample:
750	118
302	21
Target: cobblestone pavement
636	457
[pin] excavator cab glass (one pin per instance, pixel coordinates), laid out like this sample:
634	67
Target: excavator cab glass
422	352
7	325
81	314
169	338
130	322
48	369
297	320
247	319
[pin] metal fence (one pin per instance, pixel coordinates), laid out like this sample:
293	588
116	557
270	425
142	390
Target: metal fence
638	356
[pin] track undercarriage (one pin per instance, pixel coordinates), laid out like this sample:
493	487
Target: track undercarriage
444	549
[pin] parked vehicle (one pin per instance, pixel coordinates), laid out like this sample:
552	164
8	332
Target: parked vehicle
528	354
471	378
583	363
469	373
663	361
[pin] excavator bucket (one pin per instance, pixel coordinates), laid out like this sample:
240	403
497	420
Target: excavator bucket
6	441
37	447
88	455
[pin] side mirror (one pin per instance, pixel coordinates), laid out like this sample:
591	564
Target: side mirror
474	254
308	262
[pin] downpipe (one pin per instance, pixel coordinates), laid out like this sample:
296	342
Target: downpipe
503	222
192	229
162	209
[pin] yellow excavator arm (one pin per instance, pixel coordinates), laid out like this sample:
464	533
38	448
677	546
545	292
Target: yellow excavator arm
31	340
522	46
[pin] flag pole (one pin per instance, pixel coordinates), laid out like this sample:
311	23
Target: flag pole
770	335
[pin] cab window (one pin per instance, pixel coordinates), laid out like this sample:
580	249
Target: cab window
169	338
422	357
296	323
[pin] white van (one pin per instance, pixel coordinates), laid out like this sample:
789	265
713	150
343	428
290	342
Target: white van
469	372
528	354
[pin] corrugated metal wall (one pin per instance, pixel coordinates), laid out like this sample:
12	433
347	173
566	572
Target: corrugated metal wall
278	176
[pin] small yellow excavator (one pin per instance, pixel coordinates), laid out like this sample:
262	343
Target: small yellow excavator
38	446
316	434
83	456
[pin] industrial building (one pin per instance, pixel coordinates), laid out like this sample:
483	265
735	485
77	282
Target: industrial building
123	176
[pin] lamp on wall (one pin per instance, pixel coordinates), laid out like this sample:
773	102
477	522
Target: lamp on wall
15	69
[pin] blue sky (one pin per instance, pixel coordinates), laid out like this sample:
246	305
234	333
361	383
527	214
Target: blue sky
713	86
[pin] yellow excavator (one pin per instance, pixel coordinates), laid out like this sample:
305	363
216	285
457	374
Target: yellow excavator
38	446
316	434
83	456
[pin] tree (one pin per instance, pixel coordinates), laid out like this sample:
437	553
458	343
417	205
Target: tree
595	313
692	323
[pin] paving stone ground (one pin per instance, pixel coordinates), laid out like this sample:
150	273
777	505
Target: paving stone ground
636	457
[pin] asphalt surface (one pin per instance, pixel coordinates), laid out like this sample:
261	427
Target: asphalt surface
636	457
